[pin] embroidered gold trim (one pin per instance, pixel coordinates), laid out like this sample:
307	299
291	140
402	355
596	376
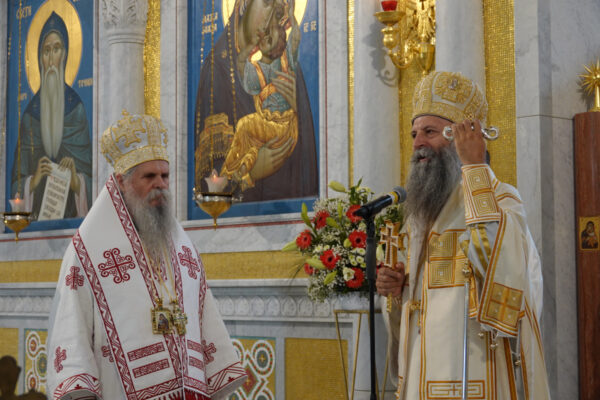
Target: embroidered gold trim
504	305
478	249
447	390
484	239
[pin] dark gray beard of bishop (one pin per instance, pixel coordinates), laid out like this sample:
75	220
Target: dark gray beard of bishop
431	183
153	223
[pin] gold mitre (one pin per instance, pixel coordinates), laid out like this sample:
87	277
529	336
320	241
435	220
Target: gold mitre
132	140
451	96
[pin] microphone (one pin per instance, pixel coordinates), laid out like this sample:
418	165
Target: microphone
397	195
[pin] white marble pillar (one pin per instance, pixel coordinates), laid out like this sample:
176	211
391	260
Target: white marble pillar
376	138
120	81
459	39
376	152
125	28
173	97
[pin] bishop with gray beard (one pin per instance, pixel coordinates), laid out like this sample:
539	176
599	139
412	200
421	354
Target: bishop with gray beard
151	214
430	182
54	129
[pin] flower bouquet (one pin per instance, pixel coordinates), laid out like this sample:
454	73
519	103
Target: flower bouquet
334	242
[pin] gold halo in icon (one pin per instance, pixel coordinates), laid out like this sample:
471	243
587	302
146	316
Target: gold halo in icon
69	15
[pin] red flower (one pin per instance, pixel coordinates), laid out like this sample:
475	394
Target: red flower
320	219
358	239
357	281
329	258
350	213
308	269
304	240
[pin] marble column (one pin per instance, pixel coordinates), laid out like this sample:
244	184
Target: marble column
459	39
376	156
125	28
121	60
376	124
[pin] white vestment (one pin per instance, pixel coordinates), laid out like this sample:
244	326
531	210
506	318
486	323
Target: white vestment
482	227
101	343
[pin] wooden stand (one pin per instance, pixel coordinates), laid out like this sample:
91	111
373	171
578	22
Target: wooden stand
587	203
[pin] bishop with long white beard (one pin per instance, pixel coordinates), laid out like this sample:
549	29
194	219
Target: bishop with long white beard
133	316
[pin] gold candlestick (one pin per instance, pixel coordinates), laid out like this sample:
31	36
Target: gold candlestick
17	221
19	218
591	83
409	33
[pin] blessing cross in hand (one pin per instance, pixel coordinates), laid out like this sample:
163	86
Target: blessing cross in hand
392	241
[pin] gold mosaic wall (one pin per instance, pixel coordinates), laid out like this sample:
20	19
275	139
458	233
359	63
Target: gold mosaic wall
350	25
253	265
406	86
235	265
29	271
499	41
9	342
313	369
498	19
152	60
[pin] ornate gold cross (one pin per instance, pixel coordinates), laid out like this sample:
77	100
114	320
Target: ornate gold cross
392	241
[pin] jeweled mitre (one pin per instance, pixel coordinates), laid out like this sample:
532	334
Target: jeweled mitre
132	140
449	95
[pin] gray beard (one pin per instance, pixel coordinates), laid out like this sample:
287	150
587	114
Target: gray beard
154	223
431	183
52	109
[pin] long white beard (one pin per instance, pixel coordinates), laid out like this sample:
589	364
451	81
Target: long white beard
52	99
154	223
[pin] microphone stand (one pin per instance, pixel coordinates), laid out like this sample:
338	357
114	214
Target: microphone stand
371	276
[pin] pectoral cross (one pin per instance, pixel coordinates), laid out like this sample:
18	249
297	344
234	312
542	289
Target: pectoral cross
179	318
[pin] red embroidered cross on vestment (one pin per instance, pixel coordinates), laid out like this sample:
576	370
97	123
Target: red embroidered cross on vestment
116	265
187	260
74	279
208	351
60	356
106	353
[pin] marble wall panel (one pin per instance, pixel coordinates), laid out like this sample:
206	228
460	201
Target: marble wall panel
252	310
574	35
376	127
532	81
334	159
565	239
528	173
553	40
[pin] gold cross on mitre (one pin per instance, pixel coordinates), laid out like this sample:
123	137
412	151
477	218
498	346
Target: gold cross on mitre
129	129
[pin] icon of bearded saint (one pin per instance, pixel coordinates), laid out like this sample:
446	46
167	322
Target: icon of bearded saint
54	129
